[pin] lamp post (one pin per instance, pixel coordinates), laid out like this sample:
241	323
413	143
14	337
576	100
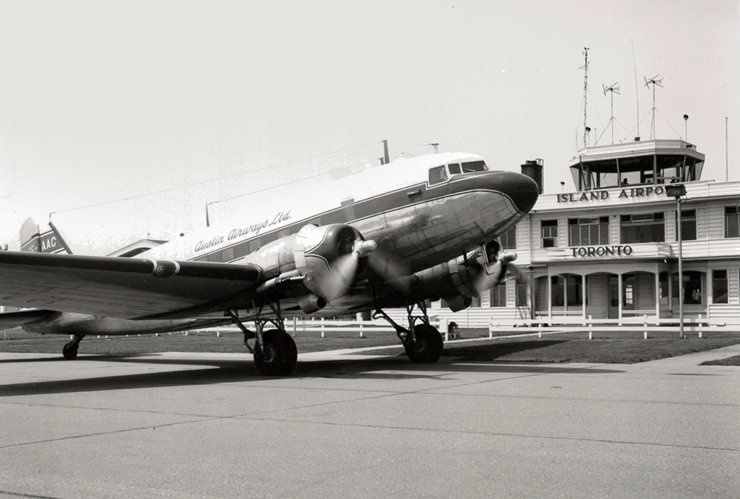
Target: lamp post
676	191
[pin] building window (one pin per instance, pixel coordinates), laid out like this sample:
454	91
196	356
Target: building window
508	239
588	231
688	225
732	221
629	294
719	286
692	287
571	284
549	233
642	228
498	296
475	302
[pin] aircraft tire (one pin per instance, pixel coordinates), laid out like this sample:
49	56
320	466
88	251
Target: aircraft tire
428	345
69	351
278	356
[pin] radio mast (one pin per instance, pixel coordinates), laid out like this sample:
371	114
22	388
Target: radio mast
655	82
585	96
614	89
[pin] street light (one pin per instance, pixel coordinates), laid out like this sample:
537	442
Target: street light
676	191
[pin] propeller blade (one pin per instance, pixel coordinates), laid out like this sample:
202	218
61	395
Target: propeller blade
387	265
516	272
338	279
502	268
335	282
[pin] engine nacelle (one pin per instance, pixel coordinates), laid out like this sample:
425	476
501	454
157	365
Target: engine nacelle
457	303
461	279
314	252
311	303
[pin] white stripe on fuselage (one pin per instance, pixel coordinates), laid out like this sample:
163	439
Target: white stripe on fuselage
274	213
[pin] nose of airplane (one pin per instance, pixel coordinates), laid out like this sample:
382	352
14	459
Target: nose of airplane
521	189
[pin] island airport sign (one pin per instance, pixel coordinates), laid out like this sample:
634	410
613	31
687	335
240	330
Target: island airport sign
627	192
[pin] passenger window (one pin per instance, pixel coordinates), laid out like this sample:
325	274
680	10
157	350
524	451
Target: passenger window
254	245
454	168
437	175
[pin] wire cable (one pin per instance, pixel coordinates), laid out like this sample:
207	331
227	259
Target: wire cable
217	179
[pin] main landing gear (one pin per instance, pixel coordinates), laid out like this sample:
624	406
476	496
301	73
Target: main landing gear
69	351
422	341
275	353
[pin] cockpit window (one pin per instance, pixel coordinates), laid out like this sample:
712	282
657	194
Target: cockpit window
454	168
474	166
437	175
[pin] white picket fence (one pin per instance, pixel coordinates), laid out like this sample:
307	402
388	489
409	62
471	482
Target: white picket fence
297	326
697	324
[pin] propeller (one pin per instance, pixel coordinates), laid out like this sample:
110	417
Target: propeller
388	266
335	282
500	269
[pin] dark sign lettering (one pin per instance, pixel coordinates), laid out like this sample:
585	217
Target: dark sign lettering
600	251
253	229
632	192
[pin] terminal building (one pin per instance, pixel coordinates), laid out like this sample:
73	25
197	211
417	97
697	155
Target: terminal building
610	249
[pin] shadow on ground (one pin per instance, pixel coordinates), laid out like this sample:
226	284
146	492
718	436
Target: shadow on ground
203	371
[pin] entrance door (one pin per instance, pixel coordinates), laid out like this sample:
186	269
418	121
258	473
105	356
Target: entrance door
613	297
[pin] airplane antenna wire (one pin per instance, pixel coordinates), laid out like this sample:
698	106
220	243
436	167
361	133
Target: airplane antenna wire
216	179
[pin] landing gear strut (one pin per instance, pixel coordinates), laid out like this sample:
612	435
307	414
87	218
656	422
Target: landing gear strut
69	351
422	341
275	353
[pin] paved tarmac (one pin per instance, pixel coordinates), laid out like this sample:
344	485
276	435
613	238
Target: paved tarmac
204	425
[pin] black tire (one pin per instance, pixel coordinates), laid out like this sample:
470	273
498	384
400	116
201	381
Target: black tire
69	351
278	356
428	345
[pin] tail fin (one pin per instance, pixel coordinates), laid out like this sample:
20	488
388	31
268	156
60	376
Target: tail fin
50	241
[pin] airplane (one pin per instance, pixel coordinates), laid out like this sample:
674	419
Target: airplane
393	236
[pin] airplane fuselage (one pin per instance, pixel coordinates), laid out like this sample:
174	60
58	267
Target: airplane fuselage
422	221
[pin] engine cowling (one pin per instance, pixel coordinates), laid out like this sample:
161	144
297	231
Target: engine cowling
460	279
328	258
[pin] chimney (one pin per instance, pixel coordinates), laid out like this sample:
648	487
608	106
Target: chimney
532	168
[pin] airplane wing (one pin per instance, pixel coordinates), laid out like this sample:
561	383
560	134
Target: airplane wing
127	288
21	317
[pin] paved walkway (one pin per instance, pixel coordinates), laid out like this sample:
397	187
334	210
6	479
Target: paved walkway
204	425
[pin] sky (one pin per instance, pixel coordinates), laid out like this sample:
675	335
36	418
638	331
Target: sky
125	119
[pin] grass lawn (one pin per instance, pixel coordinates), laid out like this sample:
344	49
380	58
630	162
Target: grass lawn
729	361
19	341
614	347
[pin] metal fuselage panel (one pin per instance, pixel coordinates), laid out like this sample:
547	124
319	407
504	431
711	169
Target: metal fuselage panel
430	232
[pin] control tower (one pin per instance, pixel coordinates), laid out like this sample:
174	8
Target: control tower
636	163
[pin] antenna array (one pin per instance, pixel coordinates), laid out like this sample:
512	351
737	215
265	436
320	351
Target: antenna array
613	89
655	81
